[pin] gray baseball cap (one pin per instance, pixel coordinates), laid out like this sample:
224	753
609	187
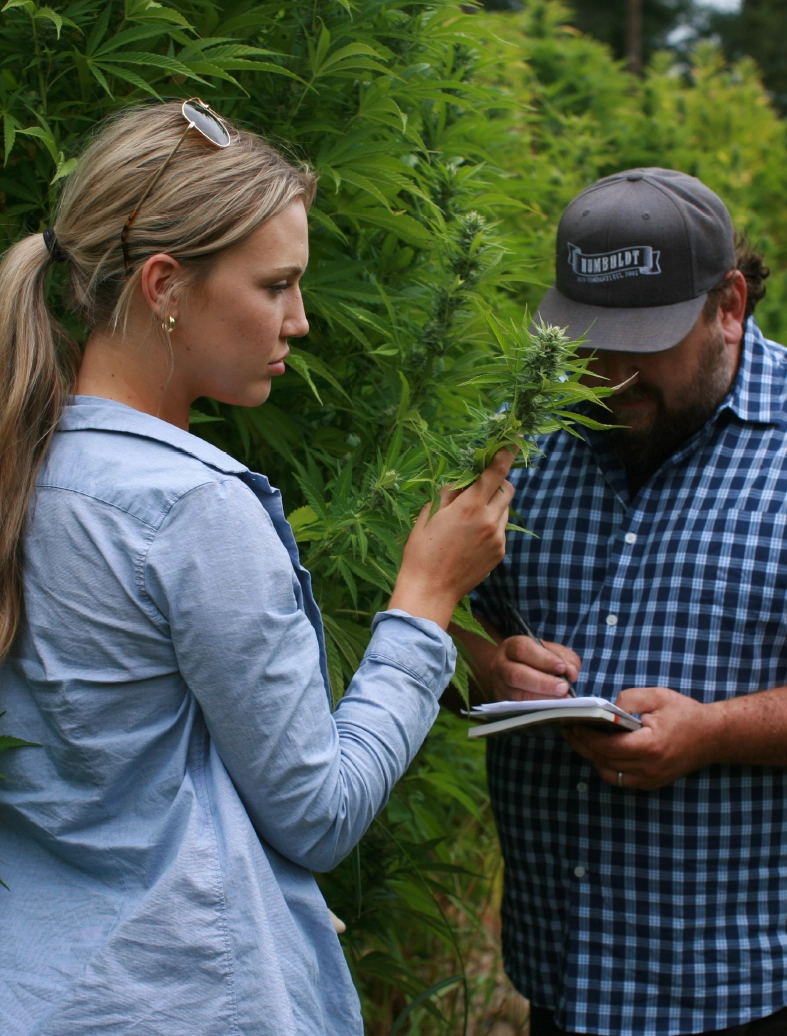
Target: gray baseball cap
637	254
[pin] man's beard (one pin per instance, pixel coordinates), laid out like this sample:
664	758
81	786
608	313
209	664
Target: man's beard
643	452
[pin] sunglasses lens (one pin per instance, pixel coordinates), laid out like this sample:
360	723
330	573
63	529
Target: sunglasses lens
206	122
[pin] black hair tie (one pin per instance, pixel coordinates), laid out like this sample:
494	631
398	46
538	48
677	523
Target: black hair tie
56	253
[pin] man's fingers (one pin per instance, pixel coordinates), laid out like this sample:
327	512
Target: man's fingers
634	780
519	679
612	749
644	699
551	658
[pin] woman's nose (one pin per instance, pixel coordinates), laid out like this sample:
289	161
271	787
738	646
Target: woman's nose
295	323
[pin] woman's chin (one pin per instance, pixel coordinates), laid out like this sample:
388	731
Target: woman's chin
249	396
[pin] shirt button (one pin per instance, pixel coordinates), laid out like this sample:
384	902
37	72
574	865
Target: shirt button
582	787
612	620
630	537
579	872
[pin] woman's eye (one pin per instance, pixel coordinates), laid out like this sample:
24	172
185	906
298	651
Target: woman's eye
279	287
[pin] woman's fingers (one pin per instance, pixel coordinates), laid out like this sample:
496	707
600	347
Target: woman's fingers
453	548
448	495
493	478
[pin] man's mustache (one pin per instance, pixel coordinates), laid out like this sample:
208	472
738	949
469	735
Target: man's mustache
636	394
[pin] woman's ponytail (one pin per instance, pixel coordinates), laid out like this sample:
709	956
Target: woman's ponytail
37	366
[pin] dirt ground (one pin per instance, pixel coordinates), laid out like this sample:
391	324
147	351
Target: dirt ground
497	1008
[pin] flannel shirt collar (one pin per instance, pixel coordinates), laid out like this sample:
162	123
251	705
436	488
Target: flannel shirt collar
758	393
757	396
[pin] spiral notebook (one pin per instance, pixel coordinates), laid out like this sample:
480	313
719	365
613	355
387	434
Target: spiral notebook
517	717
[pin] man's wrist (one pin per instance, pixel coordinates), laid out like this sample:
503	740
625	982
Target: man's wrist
749	729
713	742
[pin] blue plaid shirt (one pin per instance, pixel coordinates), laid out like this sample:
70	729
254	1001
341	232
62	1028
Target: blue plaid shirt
662	912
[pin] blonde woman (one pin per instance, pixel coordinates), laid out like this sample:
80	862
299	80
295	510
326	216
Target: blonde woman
160	637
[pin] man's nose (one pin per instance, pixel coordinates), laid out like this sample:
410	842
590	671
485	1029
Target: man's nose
617	367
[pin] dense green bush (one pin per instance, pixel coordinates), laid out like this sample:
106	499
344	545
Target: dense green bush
587	118
447	144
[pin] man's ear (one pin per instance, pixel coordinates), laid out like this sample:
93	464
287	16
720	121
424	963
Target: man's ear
159	275
732	308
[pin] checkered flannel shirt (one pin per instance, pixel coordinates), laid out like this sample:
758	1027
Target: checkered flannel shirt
631	912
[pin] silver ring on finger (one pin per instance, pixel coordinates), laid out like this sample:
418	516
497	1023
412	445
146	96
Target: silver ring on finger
620	779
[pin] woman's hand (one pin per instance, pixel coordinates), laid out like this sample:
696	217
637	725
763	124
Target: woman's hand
451	552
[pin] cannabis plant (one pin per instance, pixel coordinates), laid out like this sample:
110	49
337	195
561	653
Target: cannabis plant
447	144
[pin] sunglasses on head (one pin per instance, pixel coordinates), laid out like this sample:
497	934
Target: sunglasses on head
204	120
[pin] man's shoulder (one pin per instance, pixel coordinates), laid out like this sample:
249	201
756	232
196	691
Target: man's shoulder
764	358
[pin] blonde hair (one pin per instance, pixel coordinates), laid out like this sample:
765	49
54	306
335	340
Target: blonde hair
207	200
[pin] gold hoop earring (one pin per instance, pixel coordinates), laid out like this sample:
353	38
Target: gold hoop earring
168	325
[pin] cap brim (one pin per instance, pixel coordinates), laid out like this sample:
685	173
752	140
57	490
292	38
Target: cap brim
651	329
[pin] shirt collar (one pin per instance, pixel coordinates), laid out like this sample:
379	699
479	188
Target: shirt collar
757	394
94	413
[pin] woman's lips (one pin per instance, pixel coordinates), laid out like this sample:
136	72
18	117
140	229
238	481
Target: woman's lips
277	366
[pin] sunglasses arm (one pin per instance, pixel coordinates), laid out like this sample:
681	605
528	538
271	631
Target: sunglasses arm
148	189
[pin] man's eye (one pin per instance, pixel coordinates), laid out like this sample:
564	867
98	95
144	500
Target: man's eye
279	287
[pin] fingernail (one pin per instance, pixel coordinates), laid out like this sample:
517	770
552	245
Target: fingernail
560	668
561	688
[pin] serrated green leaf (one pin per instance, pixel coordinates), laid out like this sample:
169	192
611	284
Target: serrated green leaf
43	135
64	167
7	742
128	36
128	77
28	5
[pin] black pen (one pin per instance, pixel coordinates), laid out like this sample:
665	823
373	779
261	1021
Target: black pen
523	627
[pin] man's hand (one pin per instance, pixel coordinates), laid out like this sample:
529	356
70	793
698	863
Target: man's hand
522	670
678	735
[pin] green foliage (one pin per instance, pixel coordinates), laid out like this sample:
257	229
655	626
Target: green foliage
579	116
7	743
534	380
447	144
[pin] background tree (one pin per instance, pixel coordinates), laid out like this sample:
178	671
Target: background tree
607	20
758	31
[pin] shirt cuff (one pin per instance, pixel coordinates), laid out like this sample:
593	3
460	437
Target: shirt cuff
416	646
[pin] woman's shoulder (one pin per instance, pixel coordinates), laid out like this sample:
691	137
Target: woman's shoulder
123	458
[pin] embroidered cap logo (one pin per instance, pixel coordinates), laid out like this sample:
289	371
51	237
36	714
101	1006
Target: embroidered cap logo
634	261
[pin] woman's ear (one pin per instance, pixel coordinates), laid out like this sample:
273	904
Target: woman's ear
159	276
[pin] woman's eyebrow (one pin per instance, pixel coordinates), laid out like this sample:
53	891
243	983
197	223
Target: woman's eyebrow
286	271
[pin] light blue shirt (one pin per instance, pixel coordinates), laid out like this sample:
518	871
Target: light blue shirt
172	665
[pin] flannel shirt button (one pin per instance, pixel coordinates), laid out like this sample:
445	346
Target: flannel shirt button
612	620
582	786
630	537
579	872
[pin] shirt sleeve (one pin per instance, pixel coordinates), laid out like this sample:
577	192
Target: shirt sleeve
311	781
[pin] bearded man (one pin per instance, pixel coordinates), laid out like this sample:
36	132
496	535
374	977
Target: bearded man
646	872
